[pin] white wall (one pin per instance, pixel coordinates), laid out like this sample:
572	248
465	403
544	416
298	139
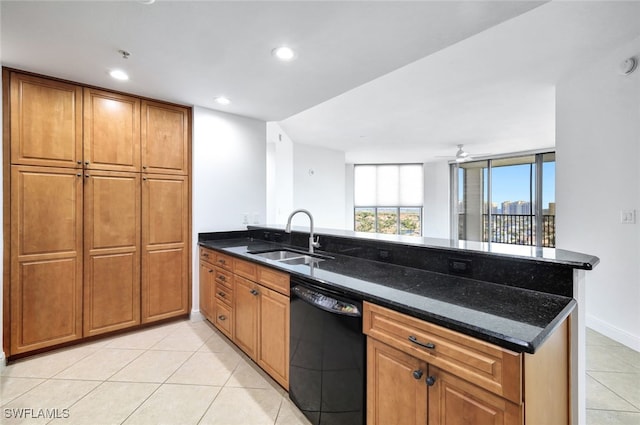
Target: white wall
280	171
229	175
302	176
436	200
319	185
597	176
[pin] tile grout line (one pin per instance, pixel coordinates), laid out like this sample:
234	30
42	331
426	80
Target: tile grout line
614	392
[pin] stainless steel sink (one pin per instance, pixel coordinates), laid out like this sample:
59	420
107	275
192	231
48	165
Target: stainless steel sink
291	257
278	255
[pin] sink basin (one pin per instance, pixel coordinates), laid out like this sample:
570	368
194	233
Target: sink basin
288	256
278	255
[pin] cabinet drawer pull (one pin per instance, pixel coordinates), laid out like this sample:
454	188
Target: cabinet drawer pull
430	381
205	255
222	317
254	292
417	374
222	278
221	261
210	271
222	294
421	344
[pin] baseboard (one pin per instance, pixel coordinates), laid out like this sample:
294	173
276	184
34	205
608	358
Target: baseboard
3	362
616	334
196	316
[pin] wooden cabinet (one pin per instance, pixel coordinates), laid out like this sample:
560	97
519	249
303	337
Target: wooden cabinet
206	290
112	251
418	372
246	313
165	247
165	138
453	400
273	347
261	317
111	131
396	390
46	122
96	245
46	257
250	306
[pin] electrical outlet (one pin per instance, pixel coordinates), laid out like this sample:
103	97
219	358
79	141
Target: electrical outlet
628	217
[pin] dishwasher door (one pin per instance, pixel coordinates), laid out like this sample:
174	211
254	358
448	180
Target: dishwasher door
327	356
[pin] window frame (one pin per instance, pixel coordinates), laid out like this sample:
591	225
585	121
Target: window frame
537	213
397	208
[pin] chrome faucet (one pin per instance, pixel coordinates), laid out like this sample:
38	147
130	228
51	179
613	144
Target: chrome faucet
313	242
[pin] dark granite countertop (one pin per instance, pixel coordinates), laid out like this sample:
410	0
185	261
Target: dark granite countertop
511	317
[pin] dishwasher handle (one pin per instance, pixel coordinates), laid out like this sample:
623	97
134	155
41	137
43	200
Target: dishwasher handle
326	302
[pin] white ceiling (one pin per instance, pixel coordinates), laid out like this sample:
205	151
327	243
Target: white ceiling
392	81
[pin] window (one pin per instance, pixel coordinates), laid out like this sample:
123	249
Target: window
506	200
388	198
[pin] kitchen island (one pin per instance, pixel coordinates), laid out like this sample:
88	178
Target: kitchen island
512	302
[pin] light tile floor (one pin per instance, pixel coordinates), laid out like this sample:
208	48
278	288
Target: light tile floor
613	382
187	373
179	374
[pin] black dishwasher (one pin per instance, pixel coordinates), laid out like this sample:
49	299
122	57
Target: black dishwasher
327	355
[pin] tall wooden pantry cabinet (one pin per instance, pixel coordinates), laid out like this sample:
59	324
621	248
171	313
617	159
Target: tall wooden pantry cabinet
96	211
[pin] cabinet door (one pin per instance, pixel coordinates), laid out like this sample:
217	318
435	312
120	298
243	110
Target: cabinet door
165	244
453	401
111	131
46	122
246	315
112	251
273	352
396	388
206	290
165	138
46	257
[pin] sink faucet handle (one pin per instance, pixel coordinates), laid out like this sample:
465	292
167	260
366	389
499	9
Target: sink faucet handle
316	242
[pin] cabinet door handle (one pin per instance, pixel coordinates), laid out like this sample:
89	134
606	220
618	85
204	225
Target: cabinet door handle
79	162
79	174
222	317
430	381
87	175
254	292
417	374
428	345
210	271
86	163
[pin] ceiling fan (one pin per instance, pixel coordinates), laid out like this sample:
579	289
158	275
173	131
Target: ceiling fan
461	155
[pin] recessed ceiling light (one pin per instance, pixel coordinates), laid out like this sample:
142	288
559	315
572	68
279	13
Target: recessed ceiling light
284	53
221	100
119	74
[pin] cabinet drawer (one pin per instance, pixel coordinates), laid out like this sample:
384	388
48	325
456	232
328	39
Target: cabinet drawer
245	269
223	277
274	279
486	365
224	294
223	319
224	261
207	255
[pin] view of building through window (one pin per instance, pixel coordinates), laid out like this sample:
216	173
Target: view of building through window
499	200
388	198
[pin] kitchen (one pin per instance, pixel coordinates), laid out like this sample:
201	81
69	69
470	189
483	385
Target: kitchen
241	160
